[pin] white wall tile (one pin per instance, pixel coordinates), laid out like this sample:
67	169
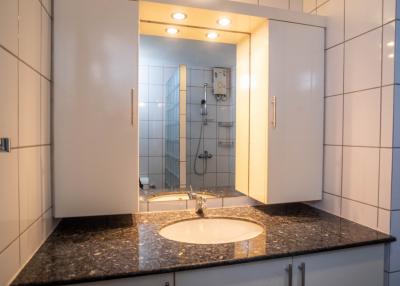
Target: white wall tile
155	129
9	96
333	169
394	279
360	174
156	93
210	179
45	111
396	116
222	179
388	53
334	70
9	217
144	165
49	223
309	5
143	74
9	261
156	111
155	75
9	25
395	246
46	45
387	116
155	147
46	178
29	186
48	5
389	10
334	10
362	118
144	147
363	61
29	106
360	213
30	20
31	240
395	195
329	203
384	221
333	120
155	165
385	178
362	16
143	111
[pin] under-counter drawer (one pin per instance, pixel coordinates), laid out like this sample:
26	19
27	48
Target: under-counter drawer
263	273
150	280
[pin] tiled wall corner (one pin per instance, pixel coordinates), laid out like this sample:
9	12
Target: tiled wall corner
25	112
362	115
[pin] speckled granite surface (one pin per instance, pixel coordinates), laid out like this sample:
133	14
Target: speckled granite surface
90	249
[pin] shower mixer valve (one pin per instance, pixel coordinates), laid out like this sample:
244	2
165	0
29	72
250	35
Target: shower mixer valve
205	155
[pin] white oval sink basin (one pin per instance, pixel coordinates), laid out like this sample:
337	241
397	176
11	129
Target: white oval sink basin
175	197
211	230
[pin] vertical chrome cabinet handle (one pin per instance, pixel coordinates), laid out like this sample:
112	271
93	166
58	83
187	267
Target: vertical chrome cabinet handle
289	270
5	145
274	111
132	101
302	268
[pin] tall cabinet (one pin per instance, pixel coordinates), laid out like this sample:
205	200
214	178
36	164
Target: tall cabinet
285	110
95	107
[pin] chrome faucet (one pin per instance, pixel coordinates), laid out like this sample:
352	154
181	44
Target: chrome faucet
201	202
201	205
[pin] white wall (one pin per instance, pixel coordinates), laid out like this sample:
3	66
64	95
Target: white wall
361	116
25	97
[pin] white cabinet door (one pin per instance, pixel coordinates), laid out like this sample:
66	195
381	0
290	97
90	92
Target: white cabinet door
265	273
363	266
296	77
95	111
151	280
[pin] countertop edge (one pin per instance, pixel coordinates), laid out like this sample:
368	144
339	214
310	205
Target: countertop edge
212	264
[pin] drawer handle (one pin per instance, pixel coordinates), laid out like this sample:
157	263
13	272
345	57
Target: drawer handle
132	107
302	268
289	270
274	112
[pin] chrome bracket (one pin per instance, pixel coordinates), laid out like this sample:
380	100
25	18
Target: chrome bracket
5	145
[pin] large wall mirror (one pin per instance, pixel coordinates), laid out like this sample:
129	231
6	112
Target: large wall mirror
193	74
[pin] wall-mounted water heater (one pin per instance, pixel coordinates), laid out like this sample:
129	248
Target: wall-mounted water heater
221	83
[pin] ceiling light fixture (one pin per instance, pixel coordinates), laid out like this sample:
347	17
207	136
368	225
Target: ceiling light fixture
212	35
172	30
224	21
179	16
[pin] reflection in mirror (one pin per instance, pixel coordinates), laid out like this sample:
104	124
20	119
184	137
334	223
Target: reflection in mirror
188	92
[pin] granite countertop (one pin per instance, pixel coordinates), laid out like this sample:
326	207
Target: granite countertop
100	248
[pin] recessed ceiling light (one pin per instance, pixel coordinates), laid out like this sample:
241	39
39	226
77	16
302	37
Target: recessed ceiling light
224	21
212	35
390	56
179	16
172	30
